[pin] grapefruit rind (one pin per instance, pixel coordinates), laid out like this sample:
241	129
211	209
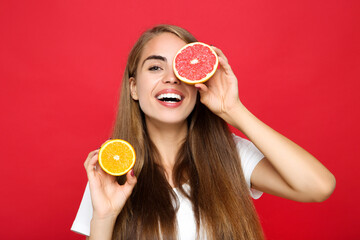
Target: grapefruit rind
204	79
130	148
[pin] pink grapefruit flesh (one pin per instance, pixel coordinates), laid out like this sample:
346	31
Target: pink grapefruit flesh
195	63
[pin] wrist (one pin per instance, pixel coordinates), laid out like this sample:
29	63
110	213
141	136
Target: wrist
103	221
104	217
232	116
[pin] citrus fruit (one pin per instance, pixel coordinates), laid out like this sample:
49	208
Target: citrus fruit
116	157
195	63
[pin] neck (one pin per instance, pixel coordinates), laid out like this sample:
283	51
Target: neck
167	139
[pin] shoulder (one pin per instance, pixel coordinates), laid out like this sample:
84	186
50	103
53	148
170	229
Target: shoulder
250	156
239	140
243	145
248	152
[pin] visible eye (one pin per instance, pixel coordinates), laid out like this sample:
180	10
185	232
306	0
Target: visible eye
155	68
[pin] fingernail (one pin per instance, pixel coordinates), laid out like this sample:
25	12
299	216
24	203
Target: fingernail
198	88
132	173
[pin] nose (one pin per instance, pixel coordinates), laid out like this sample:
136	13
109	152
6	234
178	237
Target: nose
171	78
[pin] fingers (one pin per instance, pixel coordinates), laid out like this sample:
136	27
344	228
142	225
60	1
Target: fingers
223	61
220	53
201	87
91	159
91	162
203	90
129	185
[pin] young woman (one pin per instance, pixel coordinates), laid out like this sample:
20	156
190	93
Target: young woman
193	179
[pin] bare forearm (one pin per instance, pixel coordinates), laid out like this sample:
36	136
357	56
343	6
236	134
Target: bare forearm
101	229
301	171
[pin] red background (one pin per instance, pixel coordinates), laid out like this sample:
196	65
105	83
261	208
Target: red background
61	64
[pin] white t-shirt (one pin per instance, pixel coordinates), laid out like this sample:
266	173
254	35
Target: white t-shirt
250	156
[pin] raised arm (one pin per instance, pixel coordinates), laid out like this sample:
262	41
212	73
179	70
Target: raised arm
107	196
287	170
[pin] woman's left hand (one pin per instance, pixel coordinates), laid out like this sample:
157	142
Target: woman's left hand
220	93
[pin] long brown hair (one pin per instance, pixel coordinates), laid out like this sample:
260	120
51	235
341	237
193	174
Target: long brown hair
207	160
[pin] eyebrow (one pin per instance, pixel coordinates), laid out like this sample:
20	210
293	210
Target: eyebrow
158	57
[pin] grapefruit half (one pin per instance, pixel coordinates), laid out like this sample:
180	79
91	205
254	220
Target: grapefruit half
195	63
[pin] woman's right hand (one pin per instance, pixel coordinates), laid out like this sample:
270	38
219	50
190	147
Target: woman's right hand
107	195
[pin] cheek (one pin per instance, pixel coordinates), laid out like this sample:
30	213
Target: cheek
144	92
146	84
193	93
144	88
143	96
193	98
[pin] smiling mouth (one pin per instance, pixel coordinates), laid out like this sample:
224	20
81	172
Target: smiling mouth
169	97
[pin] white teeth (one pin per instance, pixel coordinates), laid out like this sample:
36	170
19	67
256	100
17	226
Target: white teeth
169	95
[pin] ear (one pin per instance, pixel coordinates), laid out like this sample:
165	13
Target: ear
133	88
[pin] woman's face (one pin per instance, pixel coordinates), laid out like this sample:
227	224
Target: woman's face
162	97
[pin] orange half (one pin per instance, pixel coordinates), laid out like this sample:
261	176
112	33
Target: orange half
116	157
